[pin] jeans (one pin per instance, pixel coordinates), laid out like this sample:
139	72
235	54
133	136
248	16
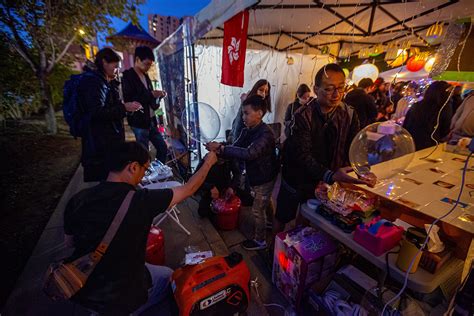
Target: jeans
143	136
160	278
262	197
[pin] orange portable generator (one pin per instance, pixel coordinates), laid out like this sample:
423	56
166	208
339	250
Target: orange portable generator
217	286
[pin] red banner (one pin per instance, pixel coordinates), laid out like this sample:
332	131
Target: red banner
233	49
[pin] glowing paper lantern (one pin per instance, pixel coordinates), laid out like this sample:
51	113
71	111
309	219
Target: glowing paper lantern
363	53
415	64
429	64
392	50
377	50
406	44
365	71
402	56
434	33
345	52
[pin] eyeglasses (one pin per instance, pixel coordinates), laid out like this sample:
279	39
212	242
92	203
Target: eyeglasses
331	90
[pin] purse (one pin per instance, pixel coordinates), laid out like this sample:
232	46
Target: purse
63	280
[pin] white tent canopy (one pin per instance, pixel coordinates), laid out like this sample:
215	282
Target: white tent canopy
300	29
305	25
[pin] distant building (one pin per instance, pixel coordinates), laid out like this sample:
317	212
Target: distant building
160	26
81	52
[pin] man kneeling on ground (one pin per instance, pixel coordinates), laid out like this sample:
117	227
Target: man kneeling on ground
122	283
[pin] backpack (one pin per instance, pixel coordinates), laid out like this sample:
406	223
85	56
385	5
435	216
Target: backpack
73	114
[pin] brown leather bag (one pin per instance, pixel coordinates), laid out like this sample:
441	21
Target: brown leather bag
63	280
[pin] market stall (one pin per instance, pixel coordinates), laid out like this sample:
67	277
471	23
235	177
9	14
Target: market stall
287	45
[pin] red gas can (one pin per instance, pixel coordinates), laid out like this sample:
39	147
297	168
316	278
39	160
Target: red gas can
226	212
155	247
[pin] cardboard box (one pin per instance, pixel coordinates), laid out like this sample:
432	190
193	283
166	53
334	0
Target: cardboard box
302	256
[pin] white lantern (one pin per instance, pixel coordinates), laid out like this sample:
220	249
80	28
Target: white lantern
365	71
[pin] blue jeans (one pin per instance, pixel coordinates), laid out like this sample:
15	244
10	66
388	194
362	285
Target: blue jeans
262	195
143	136
157	293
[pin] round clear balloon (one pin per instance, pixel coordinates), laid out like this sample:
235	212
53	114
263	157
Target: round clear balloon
201	122
384	149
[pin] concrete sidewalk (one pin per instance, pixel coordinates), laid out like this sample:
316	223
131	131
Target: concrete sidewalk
27	297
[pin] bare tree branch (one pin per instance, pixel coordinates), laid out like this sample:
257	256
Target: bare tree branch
18	43
61	55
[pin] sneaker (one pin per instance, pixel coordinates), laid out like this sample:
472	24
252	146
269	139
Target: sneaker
252	244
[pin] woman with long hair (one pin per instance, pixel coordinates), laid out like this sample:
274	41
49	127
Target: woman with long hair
303	96
422	117
102	114
261	88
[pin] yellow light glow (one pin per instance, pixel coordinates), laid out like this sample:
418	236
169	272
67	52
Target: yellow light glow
429	64
81	32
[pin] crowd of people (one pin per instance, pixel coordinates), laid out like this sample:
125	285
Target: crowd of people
318	130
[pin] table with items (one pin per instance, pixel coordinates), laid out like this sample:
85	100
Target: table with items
391	217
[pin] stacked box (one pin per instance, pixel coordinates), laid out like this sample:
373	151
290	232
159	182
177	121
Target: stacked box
302	256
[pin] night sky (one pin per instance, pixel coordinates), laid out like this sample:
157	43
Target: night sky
176	8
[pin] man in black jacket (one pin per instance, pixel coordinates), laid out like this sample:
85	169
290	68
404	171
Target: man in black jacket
318	150
136	86
363	102
102	112
256	148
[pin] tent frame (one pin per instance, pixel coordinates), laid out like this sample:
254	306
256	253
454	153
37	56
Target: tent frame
373	6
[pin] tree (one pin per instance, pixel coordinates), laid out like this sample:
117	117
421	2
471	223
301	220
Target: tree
42	32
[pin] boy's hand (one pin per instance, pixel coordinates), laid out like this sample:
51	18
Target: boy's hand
214	193
213	146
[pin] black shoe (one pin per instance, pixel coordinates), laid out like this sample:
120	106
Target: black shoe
252	244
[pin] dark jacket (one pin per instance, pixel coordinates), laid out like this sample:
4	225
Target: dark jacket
319	146
100	102
364	104
256	147
289	120
421	131
134	90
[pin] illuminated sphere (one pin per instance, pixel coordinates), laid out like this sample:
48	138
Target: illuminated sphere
365	71
384	149
208	119
415	64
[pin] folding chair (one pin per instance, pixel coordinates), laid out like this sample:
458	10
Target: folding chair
171	212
